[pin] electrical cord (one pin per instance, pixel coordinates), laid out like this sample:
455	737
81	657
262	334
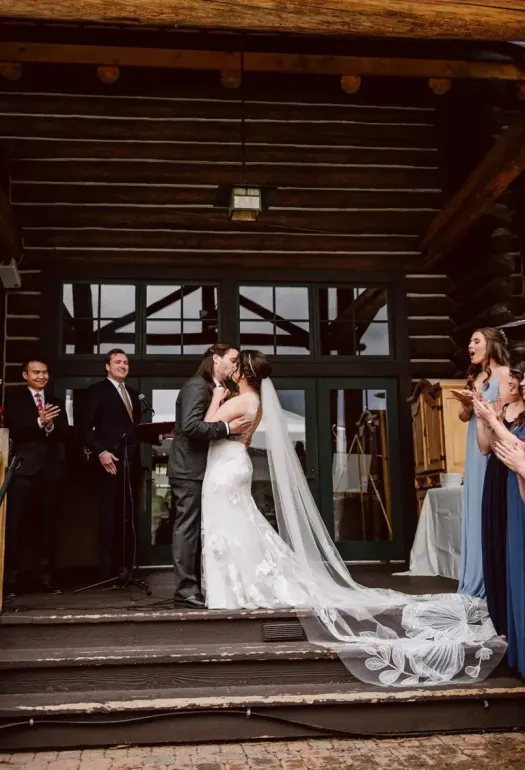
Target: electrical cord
249	713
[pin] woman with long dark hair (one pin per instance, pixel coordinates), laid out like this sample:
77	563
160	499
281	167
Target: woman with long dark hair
510	449
494	503
489	360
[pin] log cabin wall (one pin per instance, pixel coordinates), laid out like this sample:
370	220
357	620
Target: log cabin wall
486	268
128	174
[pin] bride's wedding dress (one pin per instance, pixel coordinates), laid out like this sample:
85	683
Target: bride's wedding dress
382	636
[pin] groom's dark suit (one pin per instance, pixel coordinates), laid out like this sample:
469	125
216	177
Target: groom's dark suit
186	468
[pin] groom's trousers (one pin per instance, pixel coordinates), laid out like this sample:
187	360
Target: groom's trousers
186	546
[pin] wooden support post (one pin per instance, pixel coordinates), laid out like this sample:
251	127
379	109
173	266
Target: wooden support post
459	19
502	164
4	454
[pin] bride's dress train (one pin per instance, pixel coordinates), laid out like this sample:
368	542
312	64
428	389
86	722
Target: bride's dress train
382	636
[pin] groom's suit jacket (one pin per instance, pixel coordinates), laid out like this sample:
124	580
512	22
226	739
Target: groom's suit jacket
189	449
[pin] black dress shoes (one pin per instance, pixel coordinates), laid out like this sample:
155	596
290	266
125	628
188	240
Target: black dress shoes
195	602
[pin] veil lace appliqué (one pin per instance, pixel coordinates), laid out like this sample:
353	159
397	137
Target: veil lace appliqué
383	637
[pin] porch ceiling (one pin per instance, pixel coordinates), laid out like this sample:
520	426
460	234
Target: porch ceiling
460	19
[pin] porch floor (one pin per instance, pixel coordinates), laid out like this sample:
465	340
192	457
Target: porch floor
161	584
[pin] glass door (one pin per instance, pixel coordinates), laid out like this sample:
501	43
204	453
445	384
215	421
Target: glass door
360	467
297	398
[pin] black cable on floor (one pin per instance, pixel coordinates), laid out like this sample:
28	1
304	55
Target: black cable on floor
248	714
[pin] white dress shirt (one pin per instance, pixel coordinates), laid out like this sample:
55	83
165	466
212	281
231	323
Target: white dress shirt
219	385
47	428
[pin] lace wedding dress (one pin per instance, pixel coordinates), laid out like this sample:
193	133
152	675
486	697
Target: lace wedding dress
382	636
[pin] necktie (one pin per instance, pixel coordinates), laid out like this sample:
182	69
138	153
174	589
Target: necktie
125	398
38	402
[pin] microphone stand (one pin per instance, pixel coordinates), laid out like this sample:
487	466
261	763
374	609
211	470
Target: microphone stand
14	465
125	577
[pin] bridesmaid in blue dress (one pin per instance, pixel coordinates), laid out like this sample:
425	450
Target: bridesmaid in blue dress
510	449
488	365
494	503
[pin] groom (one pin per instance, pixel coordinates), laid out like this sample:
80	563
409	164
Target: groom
187	465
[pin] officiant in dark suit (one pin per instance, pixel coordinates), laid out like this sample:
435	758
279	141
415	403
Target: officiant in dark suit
38	428
111	415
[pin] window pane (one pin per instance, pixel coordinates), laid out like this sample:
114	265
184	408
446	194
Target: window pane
163	402
116	301
164	301
372	339
198	336
112	335
292	302
258	335
199	302
79	336
294	339
337	339
354	321
256	299
336	303
362	507
163	337
81	300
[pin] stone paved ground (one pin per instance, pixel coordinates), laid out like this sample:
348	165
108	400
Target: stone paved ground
462	752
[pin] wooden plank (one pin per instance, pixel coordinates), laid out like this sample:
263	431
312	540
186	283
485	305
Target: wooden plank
10	235
306	132
178	240
21	148
257	106
162	172
283	197
357	221
297	63
489	180
184	258
430	305
23	303
434	346
430	326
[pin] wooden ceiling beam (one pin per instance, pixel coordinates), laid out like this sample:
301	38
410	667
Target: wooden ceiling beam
230	61
489	180
464	19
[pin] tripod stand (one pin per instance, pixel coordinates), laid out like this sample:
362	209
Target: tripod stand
125	577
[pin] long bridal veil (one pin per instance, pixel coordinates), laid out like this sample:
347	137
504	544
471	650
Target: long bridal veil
383	637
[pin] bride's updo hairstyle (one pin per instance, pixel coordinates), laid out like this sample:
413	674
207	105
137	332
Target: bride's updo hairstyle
255	367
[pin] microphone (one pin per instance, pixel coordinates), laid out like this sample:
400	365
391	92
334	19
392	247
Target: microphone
144	402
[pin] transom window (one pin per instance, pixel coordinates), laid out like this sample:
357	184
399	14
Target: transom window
275	319
98	317
180	320
172	319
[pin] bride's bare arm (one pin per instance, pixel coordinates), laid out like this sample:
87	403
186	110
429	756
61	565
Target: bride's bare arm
229	410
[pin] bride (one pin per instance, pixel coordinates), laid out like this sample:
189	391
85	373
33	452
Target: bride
382	636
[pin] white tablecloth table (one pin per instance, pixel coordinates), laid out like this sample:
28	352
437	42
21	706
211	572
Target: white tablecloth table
437	544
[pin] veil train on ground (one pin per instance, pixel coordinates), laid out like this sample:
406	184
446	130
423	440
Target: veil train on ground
383	637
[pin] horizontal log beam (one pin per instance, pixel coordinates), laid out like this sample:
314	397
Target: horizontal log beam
300	64
466	19
489	180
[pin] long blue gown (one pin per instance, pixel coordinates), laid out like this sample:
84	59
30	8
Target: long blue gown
471	564
516	569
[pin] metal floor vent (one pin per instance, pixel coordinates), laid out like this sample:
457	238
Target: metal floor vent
291	631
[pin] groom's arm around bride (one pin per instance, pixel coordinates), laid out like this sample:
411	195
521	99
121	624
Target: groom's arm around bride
187	465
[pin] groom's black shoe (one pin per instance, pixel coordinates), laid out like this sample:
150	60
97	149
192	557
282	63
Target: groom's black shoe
195	602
